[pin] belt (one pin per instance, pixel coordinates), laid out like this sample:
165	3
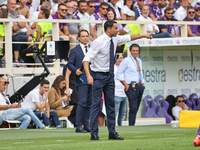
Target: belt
133	82
105	73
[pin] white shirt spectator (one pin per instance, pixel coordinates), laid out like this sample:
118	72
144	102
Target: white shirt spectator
55	8
175	111
116	10
148	26
180	13
119	88
125	9
31	10
35	4
31	98
23	29
35	16
100	49
3	101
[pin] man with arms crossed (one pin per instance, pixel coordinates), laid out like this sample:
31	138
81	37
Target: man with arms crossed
101	56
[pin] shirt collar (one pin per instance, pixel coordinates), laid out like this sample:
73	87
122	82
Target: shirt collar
107	37
83	46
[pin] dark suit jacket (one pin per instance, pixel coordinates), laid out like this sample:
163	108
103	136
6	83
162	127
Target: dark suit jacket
75	62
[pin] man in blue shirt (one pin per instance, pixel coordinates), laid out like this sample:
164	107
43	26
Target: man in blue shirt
131	76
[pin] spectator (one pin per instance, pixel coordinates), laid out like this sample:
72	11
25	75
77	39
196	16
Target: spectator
128	6
14	111
112	16
181	13
35	15
81	14
151	27
155	10
137	8
120	96
97	3
72	27
24	9
90	7
190	2
101	15
57	97
41	27
16	26
197	10
163	5
37	101
35	4
173	30
112	4
193	30
29	4
41	2
172	5
27	29
63	27
55	8
180	105
75	5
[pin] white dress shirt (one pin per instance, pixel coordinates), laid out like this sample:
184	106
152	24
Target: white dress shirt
35	4
148	26
83	48
55	8
116	10
180	13
3	102
175	111
99	54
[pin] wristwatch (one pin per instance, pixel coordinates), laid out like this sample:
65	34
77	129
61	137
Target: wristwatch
18	24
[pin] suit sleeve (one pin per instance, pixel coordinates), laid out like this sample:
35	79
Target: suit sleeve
72	61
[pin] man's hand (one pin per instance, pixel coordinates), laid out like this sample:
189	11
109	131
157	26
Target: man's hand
185	106
14	105
90	80
143	85
68	98
46	93
47	114
67	92
19	106
78	72
126	87
149	35
154	30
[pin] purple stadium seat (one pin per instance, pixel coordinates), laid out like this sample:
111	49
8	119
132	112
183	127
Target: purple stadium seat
187	101
194	98
162	109
145	105
151	108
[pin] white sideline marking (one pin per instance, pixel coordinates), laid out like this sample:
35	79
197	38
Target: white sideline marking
22	142
63	140
47	130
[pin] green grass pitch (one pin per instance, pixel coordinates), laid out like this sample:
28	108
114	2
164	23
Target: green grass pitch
155	137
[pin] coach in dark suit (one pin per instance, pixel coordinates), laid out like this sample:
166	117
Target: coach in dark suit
85	90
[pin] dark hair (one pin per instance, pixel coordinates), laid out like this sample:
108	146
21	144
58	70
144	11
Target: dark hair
62	4
3	13
134	45
109	24
190	7
44	81
132	6
91	1
81	1
104	4
168	9
111	9
56	83
46	13
79	32
179	96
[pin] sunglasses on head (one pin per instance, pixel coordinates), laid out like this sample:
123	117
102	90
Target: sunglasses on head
18	8
92	6
63	9
5	83
191	12
181	101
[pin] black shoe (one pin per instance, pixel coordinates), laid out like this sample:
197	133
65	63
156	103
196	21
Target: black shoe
88	129
95	137
115	136
80	130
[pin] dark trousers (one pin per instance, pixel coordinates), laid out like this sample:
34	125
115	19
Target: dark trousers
27	59
46	121
84	105
134	97
102	83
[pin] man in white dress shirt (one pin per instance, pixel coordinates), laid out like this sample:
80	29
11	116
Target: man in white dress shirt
181	12
101	57
151	27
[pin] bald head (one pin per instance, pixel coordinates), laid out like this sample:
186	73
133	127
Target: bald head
3	84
